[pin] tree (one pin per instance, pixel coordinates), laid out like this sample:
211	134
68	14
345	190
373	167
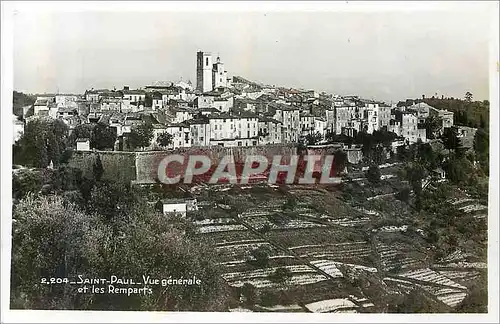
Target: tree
21	100
481	148
432	126
373	174
340	160
43	141
403	194
164	139
97	168
416	173
403	153
313	138
450	139
248	292
458	170
103	137
110	199
468	97
280	275
290	204
80	131
140	136
260	256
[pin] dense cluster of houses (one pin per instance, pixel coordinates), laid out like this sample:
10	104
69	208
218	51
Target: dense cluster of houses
234	111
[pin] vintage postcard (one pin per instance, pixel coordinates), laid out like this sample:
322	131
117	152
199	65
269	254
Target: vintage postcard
220	161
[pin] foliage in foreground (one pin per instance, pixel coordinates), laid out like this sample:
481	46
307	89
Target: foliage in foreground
53	238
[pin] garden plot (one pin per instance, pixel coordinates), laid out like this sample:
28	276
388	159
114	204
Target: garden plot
356	268
240	310
431	276
281	308
448	296
397	255
391	229
238	251
367	211
315	236
451	299
398	286
349	222
220	228
362	301
257	212
331	305
264	273
300	279
359	250
234	257
463	265
473	208
328	267
258	222
214	238
461	277
214	221
463	201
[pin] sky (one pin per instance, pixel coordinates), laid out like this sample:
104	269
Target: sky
378	55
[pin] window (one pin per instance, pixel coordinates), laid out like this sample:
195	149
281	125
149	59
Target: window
206	61
239	143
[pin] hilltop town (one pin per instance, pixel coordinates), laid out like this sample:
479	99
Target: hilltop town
403	230
232	112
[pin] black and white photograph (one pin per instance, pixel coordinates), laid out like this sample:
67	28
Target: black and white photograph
330	161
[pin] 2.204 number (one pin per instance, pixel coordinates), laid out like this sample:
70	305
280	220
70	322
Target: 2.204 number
49	281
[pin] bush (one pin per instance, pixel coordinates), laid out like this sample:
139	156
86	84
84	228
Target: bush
403	194
280	275
269	298
373	174
260	257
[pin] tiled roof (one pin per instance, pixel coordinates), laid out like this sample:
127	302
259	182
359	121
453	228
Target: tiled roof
134	92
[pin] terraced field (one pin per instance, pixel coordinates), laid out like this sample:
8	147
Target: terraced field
324	248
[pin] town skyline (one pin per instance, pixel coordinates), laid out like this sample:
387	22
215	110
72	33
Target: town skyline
455	60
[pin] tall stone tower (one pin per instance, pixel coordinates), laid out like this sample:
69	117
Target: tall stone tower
204	68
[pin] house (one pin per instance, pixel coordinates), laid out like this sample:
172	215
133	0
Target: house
290	117
406	124
200	131
157	100
172	93
269	131
306	123
181	135
320	126
66	100
45	106
180	115
238	129
134	95
204	101
223	104
179	206
83	144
